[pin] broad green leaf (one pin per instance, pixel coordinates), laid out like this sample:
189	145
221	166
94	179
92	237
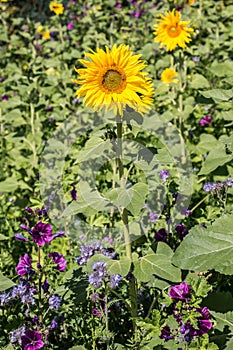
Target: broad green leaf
2	237
131	199
218	94
207	143
93	148
223	320
78	347
208	248
216	157
8	347
199	82
89	202
227	115
222	69
158	264
5	283
120	267
9	185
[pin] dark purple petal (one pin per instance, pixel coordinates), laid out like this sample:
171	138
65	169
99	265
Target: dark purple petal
24	266
180	291
42	233
32	340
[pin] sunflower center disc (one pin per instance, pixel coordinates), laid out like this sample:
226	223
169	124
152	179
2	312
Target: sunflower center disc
112	80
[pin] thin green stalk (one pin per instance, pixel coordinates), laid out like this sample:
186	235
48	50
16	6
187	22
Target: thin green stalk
124	216
199	203
40	288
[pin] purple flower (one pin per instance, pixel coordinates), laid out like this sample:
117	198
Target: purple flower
181	230
208	187
160	235
205	313
118	5
205	120
28	299
53	325
24	266
180	291
59	260
73	193
38	47
5	298
196	59
16	335
153	217
166	333
32	340
42	233
229	182
204	326
5	97
19	237
88	250
49	108
54	302
188	212
45	286
1	79
70	25
100	272
115	280
164	174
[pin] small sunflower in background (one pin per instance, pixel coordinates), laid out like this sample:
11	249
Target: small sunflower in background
113	79
171	31
57	8
168	76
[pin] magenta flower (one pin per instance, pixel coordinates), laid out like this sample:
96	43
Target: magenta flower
59	260
205	120
24	266
180	291
42	233
70	25
32	340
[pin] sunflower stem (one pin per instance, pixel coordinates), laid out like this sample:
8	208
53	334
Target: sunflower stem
124	217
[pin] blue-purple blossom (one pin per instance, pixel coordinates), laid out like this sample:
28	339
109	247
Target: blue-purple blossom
28	299
70	25
115	280
208	187
88	250
16	335
153	216
54	302
100	272
164	174
53	325
5	298
19	237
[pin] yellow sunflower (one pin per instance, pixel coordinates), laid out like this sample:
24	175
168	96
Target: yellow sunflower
114	79
168	76
46	34
171	31
57	8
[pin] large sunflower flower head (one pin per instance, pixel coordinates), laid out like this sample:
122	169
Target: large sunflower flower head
171	31
113	79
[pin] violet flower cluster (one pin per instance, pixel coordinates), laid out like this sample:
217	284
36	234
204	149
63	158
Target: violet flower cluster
218	186
34	291
99	274
192	321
